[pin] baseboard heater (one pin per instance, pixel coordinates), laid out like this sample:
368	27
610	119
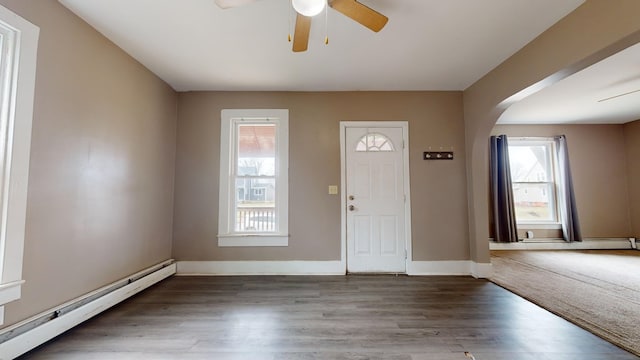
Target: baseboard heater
560	244
17	339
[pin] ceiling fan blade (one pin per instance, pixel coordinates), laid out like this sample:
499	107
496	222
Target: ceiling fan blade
360	13
301	34
226	4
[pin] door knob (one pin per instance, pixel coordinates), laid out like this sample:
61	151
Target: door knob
351	197
351	207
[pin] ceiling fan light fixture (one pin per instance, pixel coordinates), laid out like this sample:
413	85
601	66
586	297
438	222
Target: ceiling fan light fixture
309	7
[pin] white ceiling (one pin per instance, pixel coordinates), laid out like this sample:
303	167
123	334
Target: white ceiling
605	93
426	45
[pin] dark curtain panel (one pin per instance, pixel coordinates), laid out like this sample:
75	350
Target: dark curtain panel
504	214
566	197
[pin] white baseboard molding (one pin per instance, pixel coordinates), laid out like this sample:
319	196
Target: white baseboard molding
460	267
421	268
261	268
25	341
416	268
559	244
481	270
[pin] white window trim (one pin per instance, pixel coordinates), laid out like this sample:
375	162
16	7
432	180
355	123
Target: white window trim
546	225
541	226
17	94
226	235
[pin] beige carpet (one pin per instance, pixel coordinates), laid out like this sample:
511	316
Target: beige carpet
598	290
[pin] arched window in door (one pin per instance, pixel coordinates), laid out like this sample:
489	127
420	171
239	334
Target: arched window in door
374	142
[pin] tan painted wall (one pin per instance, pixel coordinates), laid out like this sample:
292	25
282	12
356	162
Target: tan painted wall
632	142
437	192
599	169
595	30
100	190
102	163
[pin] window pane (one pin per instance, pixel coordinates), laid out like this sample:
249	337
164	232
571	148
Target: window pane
534	202
256	150
374	143
530	163
255	205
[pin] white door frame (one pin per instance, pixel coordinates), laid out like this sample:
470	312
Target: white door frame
343	182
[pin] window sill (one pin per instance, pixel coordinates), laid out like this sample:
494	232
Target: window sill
233	240
534	226
8	293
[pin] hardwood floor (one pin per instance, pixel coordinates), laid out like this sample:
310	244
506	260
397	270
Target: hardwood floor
327	317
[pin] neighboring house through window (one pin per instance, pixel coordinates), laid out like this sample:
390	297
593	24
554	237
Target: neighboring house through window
18	50
253	178
533	176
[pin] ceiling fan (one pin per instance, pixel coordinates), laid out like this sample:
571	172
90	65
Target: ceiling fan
306	9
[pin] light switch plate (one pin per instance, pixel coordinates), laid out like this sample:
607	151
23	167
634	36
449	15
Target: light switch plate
333	189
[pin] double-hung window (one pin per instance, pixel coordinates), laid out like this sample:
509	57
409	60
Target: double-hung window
533	176
253	178
18	51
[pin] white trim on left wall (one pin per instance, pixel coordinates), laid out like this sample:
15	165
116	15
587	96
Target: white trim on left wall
18	78
22	342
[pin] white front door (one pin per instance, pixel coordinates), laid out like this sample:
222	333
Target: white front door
375	199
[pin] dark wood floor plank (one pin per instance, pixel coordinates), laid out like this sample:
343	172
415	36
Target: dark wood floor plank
327	317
